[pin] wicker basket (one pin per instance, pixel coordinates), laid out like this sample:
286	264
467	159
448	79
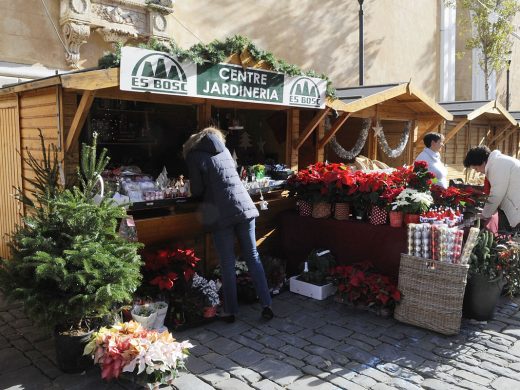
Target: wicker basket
432	294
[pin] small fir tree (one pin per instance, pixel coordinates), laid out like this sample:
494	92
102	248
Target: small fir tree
68	263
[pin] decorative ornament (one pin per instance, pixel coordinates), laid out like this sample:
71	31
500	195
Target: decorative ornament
162	180
245	140
393	153
378	129
78	6
360	143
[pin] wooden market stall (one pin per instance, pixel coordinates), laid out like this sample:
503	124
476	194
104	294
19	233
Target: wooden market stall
392	106
68	107
477	123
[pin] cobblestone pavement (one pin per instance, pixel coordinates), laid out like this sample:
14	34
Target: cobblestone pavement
318	345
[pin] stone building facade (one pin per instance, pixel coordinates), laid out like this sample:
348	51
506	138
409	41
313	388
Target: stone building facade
404	39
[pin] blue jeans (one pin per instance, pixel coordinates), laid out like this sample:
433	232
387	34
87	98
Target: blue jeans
224	240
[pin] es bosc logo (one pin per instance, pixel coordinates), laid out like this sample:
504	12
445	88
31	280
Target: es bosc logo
159	72
305	92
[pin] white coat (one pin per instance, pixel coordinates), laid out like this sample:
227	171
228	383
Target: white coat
435	165
503	173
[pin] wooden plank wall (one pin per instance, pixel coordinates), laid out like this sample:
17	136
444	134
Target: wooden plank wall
11	174
475	134
69	105
39	109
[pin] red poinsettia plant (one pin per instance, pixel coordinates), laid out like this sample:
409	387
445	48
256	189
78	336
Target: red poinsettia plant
169	270
454	196
420	179
360	285
307	184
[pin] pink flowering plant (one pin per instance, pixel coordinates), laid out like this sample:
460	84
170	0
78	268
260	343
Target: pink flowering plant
128	347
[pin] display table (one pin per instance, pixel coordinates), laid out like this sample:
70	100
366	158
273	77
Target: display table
350	241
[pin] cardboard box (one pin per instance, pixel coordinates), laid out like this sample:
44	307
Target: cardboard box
311	290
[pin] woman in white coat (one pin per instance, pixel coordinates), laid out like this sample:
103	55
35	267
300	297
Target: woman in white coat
431	154
503	173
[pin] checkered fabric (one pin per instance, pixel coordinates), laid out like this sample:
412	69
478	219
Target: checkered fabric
341	211
305	208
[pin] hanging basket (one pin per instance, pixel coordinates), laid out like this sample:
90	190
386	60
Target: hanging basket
341	211
396	218
321	210
378	216
305	208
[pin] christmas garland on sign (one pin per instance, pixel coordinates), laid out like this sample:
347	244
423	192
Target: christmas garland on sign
358	146
216	52
393	153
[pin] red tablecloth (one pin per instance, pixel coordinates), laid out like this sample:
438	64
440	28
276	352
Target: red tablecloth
349	241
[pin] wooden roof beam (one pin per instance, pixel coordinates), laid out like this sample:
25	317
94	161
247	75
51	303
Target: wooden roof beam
30	85
92	80
334	129
455	130
488	107
499	135
79	118
511	131
311	126
506	113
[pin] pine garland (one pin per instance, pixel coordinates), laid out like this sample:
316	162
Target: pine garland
216	52
358	146
393	153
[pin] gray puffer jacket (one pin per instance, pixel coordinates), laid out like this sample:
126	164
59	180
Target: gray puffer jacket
214	176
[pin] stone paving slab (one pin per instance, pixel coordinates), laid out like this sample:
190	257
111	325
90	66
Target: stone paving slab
318	345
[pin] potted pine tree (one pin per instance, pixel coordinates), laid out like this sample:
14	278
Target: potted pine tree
68	264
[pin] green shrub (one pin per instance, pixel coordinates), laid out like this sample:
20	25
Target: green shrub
68	263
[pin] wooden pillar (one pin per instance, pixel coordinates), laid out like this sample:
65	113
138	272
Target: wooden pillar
204	114
410	147
319	154
292	135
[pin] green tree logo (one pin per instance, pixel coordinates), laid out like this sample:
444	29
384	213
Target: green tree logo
305	92
166	68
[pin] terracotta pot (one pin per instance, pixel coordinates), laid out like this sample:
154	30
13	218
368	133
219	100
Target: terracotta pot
305	208
396	218
411	218
341	211
321	210
378	216
209	311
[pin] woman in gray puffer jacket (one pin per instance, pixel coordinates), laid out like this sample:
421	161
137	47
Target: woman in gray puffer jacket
227	210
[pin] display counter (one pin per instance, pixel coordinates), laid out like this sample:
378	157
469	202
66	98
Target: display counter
350	241
181	223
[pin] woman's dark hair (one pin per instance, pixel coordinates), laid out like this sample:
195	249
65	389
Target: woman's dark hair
431	137
477	155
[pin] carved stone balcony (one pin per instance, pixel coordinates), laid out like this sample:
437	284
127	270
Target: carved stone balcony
115	20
